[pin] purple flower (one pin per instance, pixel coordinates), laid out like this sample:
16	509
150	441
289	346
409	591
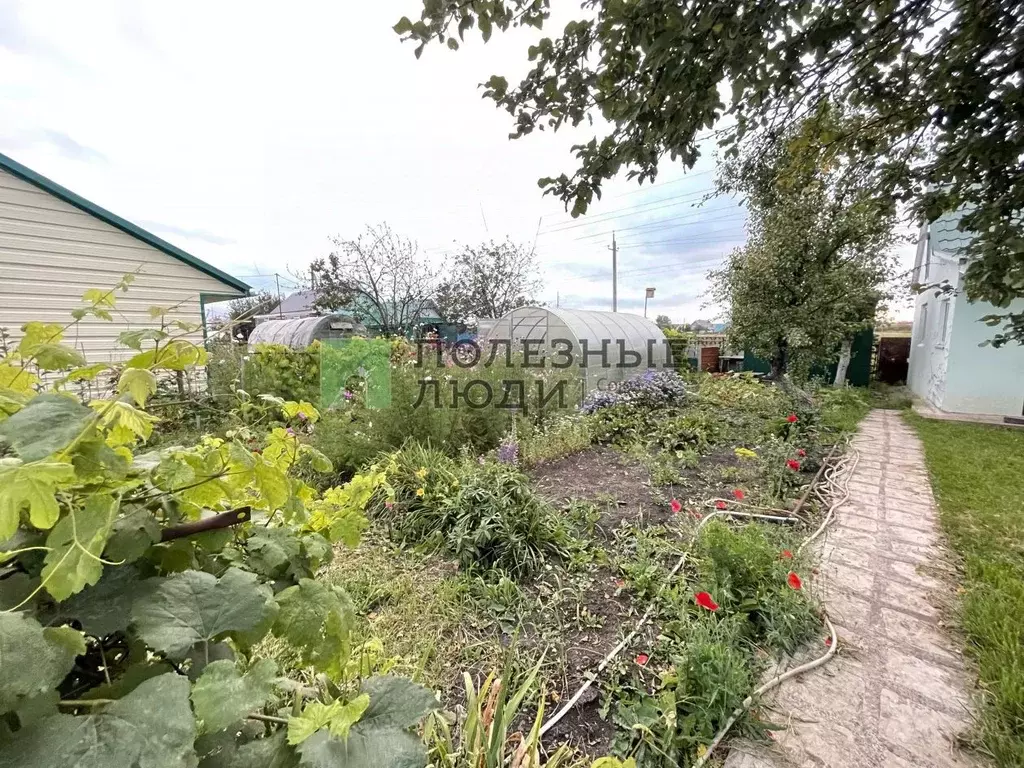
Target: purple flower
508	452
651	389
348	395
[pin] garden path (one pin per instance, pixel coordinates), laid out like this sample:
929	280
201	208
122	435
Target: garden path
896	694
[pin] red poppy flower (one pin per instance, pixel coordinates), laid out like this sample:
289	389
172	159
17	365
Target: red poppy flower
791	418
794	581
642	659
787	555
697	515
620	583
793	464
704	601
721	504
828	641
739	494
801	452
676	506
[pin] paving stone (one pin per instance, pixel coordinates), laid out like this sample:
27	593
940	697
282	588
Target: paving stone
896	696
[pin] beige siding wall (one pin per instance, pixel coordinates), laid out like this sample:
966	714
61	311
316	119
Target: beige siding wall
51	252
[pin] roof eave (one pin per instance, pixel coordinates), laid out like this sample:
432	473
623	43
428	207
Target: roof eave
47	185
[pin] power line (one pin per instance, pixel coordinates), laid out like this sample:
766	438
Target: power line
654	267
633	210
659	225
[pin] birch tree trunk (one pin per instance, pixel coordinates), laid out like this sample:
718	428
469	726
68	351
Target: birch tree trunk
844	363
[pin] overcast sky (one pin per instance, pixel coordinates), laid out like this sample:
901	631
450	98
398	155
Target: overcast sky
247	133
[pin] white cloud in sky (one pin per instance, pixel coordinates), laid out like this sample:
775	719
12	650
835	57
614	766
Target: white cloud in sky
248	133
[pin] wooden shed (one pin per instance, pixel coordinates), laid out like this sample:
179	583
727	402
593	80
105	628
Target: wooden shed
55	245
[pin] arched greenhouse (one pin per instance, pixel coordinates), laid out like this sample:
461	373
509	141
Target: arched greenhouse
632	343
300	332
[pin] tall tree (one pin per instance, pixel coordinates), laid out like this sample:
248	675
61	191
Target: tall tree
488	280
663	321
944	78
380	278
819	254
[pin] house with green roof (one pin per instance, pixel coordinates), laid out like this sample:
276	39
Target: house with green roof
55	245
950	367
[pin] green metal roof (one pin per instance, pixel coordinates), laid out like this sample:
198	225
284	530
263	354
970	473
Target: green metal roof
945	236
27	174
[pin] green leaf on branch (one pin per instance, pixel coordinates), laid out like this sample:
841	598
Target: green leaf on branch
31	486
57	357
76	543
194	607
140	383
317	619
396	702
223	695
151	727
46	425
132	535
33	660
37	334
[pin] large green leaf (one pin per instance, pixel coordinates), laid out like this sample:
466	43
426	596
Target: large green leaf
139	383
105	608
223	695
46	425
33	660
76	543
151	727
316	618
396	702
194	607
30	486
385	748
58	357
132	535
271	752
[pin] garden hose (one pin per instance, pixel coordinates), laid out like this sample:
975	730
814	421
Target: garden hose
836	481
832	481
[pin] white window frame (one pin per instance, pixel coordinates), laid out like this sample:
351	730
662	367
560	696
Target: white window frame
922	331
944	324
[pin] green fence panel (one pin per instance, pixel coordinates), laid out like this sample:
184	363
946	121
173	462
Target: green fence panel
857	375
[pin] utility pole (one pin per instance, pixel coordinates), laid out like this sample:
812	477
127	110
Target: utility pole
615	275
277	279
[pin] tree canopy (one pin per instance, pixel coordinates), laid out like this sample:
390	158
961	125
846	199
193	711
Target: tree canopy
939	86
820	250
379	276
488	280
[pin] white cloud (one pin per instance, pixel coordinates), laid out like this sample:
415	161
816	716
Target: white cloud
248	133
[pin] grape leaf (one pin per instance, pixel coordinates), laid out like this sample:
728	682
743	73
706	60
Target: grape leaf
316	618
124	422
194	606
46	425
223	695
336	717
139	383
76	543
33	660
272	485
32	486
271	550
17	379
57	357
270	752
151	727
36	334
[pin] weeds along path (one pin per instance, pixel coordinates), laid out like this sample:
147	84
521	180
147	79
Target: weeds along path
829	487
897	694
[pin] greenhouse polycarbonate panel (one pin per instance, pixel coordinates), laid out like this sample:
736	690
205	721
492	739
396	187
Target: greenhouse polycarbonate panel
636	335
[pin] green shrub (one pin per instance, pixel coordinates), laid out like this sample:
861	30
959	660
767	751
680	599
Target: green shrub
484	514
274	369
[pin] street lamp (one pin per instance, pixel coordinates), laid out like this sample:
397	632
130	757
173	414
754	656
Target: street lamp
648	295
